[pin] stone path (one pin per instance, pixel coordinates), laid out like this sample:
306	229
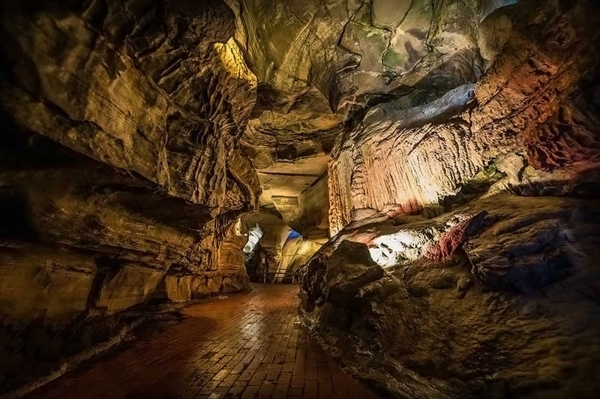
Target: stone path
248	346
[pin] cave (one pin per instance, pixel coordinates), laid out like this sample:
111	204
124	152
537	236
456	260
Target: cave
300	199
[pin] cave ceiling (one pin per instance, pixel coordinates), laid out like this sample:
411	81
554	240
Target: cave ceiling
283	79
321	64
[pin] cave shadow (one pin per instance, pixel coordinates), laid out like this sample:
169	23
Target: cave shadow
147	366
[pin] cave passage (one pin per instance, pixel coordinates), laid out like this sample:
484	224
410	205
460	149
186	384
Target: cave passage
274	252
249	345
186	183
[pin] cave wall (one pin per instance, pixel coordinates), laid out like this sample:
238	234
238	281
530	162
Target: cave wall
135	133
145	94
87	249
269	249
462	262
121	175
294	255
535	101
498	299
310	216
284	255
275	230
322	64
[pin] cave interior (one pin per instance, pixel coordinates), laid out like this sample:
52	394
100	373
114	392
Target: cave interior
425	172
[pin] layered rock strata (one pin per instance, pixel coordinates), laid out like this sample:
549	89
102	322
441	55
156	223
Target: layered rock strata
121	173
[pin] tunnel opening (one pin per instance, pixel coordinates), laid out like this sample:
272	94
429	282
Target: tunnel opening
274	251
253	255
293	234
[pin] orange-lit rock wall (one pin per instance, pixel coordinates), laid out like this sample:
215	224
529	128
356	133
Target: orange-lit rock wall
536	100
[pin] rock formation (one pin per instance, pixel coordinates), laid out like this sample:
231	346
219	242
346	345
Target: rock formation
122	173
462	263
491	300
428	170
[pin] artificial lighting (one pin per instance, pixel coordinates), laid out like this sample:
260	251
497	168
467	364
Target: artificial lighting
254	236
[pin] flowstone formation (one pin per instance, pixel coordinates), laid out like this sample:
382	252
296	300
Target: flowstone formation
463	258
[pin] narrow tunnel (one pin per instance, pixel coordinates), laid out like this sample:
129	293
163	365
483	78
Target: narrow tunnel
299	199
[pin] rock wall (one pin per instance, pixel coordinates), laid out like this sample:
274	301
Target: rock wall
462	259
82	243
310	217
120	171
535	97
136	132
322	64
138	90
294	255
495	300
275	231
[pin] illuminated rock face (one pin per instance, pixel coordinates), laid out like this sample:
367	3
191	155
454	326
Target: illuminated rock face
491	300
402	135
531	103
351	50
465	227
321	64
121	173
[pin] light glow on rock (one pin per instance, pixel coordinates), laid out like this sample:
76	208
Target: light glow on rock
254	236
389	249
386	250
233	60
238	227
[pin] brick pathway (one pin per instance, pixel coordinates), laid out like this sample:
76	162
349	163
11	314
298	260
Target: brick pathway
247	346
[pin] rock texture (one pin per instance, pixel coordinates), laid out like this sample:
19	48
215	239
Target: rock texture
139	91
450	149
267	254
492	300
532	82
294	255
321	64
352	50
280	252
121	172
464	225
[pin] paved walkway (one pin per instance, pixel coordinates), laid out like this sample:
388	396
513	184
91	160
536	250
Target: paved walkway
247	346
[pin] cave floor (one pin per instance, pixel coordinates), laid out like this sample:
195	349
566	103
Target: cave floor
250	345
